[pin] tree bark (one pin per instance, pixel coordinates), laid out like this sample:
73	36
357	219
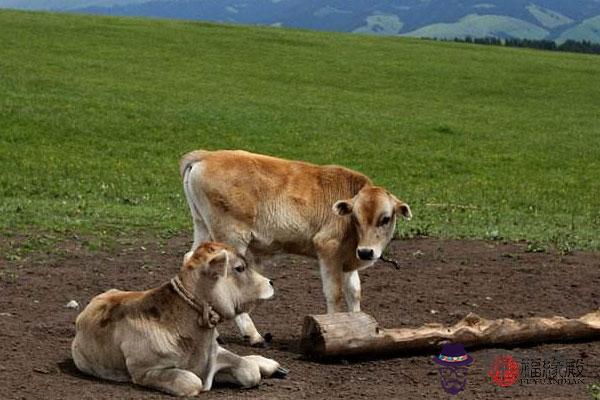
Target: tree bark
354	334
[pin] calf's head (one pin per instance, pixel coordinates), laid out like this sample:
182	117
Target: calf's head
373	211
216	273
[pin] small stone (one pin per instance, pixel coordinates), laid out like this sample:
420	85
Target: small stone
418	254
5	314
74	305
433	311
488	298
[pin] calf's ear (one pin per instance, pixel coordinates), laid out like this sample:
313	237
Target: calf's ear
200	255
402	208
217	266
342	207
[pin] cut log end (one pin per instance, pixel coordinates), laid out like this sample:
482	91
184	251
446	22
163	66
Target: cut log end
326	335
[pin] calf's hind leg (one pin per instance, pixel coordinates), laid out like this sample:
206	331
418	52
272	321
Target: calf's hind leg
179	382
201	232
201	235
148	369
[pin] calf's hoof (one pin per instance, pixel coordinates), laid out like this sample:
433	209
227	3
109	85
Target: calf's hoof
259	342
260	345
280	373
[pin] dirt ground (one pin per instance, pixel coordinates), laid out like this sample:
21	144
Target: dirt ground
440	281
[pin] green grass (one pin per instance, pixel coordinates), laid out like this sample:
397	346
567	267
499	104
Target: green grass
594	391
482	142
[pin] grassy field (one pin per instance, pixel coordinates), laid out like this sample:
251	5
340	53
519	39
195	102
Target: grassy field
482	142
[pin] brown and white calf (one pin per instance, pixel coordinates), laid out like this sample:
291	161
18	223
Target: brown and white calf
165	338
265	204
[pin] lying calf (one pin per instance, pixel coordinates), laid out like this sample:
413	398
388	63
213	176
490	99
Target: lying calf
165	338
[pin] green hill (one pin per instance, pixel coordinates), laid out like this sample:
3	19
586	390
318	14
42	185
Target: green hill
548	18
587	30
480	141
480	26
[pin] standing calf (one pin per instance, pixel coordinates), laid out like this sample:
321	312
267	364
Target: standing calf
165	338
266	204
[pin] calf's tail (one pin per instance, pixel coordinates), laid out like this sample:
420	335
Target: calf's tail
189	159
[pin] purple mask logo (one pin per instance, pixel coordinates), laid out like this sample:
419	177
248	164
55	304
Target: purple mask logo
453	367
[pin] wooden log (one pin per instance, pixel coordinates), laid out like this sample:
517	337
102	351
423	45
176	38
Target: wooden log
354	334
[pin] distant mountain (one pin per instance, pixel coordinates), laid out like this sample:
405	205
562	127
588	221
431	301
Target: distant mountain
63	5
533	19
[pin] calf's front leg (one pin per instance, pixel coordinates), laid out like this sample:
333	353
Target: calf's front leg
331	277
352	290
231	368
268	368
244	371
248	330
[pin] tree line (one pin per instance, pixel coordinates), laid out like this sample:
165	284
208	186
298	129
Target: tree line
574	46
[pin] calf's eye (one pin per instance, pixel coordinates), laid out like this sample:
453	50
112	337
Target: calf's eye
384	221
240	268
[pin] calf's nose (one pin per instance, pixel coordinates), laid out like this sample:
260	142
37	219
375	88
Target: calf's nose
271	282
365	254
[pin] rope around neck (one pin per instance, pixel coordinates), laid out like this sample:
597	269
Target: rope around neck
208	317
